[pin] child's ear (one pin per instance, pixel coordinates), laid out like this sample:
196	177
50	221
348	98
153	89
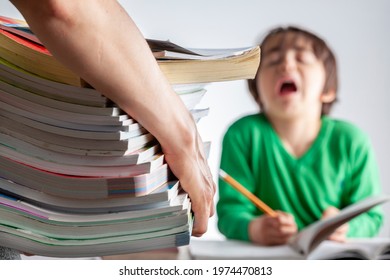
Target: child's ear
328	97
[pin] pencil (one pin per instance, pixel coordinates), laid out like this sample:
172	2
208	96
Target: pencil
254	199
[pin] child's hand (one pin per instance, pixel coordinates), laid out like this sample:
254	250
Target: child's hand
340	234
267	230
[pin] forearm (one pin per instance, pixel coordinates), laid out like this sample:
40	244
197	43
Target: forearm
99	41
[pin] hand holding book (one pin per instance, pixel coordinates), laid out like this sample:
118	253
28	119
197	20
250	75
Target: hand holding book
137	85
340	234
269	231
196	180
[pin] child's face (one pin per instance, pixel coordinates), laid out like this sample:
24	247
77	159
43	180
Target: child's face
291	78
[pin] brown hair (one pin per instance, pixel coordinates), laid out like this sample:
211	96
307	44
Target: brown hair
321	51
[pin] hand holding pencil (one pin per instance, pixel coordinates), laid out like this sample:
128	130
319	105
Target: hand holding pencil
254	199
274	228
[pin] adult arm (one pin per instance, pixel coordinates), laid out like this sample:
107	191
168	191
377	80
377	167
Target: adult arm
99	41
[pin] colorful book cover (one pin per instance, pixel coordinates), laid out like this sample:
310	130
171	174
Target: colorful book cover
18	27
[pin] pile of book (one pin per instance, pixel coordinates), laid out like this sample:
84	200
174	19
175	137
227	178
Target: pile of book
78	176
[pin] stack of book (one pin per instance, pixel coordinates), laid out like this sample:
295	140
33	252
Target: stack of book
78	176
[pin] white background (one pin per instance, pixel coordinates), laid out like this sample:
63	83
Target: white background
357	31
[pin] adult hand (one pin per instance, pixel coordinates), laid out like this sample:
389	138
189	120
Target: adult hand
190	166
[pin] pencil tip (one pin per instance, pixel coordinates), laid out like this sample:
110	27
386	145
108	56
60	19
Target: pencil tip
222	173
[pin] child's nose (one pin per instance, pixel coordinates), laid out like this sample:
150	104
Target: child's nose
288	61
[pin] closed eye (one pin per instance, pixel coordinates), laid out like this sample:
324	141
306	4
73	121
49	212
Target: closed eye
306	57
272	58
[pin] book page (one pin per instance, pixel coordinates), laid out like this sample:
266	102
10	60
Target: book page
167	48
359	249
310	237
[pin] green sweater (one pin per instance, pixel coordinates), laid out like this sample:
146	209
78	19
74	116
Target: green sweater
338	169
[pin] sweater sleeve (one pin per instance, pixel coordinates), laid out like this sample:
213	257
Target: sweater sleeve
234	210
363	182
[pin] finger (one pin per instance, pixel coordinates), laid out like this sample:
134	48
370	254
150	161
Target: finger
288	230
342	229
283	232
213	190
274	228
275	232
340	232
337	238
285	218
200	225
203	208
212	209
330	212
277	240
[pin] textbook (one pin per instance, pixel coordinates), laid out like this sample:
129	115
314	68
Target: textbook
75	130
43	246
22	79
160	197
35	58
15	80
300	246
51	119
191	99
36	230
18	27
48	110
72	145
166	50
230	65
78	176
137	157
148	166
58	224
77	187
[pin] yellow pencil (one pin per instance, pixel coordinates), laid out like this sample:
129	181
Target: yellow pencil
255	200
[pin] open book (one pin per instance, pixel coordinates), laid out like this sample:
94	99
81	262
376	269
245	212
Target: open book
304	245
353	249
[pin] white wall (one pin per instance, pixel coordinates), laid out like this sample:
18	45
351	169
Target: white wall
357	30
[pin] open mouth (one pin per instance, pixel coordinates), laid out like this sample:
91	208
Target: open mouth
288	87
